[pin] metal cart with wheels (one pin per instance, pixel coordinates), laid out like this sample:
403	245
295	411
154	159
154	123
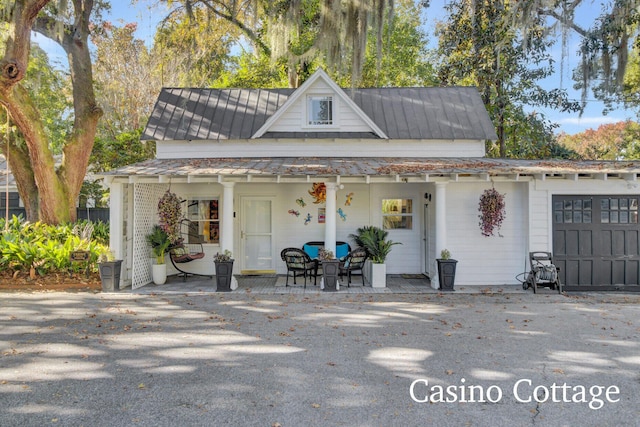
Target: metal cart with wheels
543	272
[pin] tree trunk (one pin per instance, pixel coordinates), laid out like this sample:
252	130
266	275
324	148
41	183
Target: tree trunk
56	190
20	166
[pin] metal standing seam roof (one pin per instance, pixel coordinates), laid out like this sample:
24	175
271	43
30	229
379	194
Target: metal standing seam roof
401	113
361	166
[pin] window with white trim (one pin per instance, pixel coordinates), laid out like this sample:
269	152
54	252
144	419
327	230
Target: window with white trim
205	214
397	214
319	110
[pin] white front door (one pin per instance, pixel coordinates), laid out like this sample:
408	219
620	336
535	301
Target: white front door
256	235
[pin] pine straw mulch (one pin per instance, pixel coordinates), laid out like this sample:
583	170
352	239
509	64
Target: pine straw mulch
76	282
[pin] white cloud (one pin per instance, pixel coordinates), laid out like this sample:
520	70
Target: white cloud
590	121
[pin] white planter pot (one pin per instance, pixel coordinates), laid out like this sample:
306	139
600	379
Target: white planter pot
378	275
366	271
159	273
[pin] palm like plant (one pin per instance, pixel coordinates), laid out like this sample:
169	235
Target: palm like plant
374	240
159	241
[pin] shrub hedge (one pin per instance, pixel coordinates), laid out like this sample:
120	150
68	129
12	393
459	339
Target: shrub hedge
42	249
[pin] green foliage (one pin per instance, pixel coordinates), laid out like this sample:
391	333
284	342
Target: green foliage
159	241
403	58
612	141
481	47
195	45
251	70
40	248
226	256
124	149
374	240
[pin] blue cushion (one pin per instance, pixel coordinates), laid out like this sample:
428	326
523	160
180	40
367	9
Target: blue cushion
342	251
312	251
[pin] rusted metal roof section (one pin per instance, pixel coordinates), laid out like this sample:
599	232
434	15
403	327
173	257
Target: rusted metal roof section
442	113
405	166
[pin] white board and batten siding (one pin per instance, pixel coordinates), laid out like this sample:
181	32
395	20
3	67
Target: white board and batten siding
484	260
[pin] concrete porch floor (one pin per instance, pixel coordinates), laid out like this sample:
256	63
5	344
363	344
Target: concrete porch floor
275	284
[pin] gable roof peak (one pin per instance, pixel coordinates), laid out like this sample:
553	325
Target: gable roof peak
319	74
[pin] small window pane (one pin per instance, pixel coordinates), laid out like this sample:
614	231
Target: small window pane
614	204
633	204
586	204
577	217
568	217
624	217
604	204
614	217
624	204
557	217
395	222
320	110
586	217
604	217
397	214
557	205
568	204
577	204
634	217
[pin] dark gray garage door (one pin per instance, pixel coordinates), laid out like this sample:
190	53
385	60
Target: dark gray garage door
596	242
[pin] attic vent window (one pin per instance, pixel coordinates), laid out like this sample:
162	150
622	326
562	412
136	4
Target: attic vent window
319	110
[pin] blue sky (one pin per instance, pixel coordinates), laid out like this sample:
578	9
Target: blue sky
147	14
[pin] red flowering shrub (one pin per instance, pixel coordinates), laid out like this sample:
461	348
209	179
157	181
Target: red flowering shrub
492	212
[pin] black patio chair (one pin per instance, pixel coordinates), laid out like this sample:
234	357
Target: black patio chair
299	263
353	262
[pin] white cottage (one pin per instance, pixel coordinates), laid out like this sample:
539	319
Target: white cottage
249	164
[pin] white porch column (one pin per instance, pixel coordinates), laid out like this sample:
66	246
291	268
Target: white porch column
226	234
330	217
116	220
441	224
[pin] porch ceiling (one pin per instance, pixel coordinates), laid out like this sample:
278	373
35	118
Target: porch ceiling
395	169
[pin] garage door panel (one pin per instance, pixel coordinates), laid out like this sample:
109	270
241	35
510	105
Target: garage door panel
596	241
572	243
602	274
632	243
586	271
559	239
605	247
571	271
618	244
585	242
618	268
632	272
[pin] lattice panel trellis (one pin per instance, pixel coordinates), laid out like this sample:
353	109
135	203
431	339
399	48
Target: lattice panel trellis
145	215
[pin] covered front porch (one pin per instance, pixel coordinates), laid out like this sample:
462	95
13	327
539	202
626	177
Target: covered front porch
274	284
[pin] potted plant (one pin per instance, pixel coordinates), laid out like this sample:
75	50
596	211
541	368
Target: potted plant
224	271
330	270
169	213
109	269
159	242
374	240
446	271
492	212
